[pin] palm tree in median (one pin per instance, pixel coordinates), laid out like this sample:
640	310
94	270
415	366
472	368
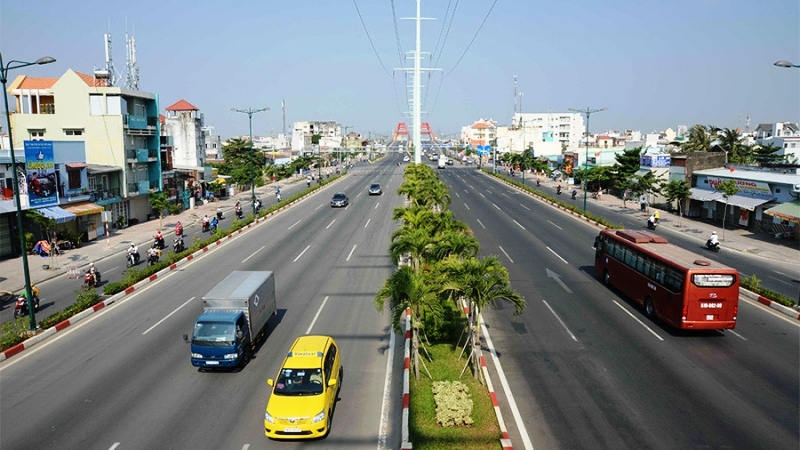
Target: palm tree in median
479	282
415	242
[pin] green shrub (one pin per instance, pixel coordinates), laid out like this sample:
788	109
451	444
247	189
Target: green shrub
114	288
84	299
753	284
453	403
12	332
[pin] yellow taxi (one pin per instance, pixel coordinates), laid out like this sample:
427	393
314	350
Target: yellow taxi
305	390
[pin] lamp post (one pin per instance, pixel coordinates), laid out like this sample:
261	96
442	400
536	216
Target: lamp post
4	68
586	112
784	63
250	111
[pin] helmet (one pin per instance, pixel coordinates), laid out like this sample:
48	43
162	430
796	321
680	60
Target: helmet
91	264
713	232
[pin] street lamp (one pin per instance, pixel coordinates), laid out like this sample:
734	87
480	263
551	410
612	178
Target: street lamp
250	111
784	63
4	68
587	112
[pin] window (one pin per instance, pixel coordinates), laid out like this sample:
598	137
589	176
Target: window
73	132
96	104
36	135
74	178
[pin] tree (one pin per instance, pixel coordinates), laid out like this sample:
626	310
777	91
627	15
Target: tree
479	282
242	162
159	203
699	138
677	190
628	163
728	188
733	143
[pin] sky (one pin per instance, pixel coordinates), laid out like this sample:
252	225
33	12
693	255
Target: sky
653	64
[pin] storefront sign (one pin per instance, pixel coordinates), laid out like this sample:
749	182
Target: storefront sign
40	174
654	161
755	189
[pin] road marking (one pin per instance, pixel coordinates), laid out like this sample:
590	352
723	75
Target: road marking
738	335
481	223
168	315
518	224
292	226
113	268
466	206
320	206
383	432
301	253
308	331
524	206
498	208
471	187
253	254
116	444
329	225
481	194
779	280
640	322
551	223
454	192
376	205
351	252
780	273
504	252
365	225
560	321
526	440
557	277
557	255
466	191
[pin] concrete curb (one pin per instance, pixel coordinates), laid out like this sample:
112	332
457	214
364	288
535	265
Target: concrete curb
30	342
794	314
404	442
505	441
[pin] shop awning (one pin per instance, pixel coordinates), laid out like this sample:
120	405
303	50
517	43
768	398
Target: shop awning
83	209
744	201
98	168
56	213
704	195
787	211
75	165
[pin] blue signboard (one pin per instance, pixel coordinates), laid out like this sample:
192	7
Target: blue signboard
484	149
40	174
654	161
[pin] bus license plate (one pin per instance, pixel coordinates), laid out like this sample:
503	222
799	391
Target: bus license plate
291	430
709	317
212	363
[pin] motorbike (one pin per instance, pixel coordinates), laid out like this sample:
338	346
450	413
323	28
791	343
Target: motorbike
574	194
278	195
258	205
21	307
651	224
159	243
213	227
177	244
152	258
132	259
713	247
538	182
206	226
219	214
89	281
558	190
239	213
178	230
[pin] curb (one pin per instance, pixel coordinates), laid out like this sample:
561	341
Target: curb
505	441
404	443
30	342
794	314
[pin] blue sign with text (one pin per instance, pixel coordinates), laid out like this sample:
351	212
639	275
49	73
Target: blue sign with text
40	174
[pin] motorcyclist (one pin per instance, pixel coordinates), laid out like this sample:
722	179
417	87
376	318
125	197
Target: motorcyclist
538	182
178	229
713	240
278	195
159	240
214	223
558	189
206	222
134	250
238	210
95	274
574	193
177	243
651	222
219	213
152	255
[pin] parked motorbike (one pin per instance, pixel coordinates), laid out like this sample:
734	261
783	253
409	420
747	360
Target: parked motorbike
21	307
713	247
90	281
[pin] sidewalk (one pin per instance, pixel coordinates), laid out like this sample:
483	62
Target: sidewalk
12	278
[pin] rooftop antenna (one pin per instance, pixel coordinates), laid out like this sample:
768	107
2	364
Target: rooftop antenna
132	73
108	72
747	124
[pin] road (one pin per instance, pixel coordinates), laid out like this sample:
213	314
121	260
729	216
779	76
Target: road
589	370
123	378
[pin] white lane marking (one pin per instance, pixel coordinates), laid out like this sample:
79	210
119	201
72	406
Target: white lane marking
454	192
557	255
245	446
253	254
481	223
320	206
526	440
481	194
779	280
301	253
365	225
113	268
498	208
524	206
329	225
376	205
168	315
738	335
292	225
471	187
518	224
316	316
351	252
560	321
116	444
466	206
639	321
383	432
780	273
466	191
551	223
504	252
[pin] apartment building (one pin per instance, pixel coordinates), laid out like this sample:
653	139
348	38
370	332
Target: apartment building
302	132
183	151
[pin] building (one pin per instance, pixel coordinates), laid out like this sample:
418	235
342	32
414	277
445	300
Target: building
565	128
213	144
118	129
784	135
482	132
184	146
330	134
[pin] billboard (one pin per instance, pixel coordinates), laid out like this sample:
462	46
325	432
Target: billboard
40	174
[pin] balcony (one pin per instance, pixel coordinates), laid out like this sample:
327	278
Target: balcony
75	195
103	197
139	125
141	155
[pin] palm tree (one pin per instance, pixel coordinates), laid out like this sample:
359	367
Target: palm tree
699	139
407	289
733	143
479	282
413	216
454	243
413	241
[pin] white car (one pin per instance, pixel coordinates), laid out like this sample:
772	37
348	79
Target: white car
406	158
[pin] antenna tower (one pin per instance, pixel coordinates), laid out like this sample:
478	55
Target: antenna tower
108	72
283	116
132	73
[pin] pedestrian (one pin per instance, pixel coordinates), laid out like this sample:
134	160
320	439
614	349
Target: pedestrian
643	203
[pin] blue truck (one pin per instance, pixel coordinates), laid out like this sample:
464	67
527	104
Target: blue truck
235	315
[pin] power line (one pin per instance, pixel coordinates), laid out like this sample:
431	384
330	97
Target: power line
370	38
473	39
400	52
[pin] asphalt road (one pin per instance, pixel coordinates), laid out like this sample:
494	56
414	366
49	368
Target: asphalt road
58	293
589	370
123	377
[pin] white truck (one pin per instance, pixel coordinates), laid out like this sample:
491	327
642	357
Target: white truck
235	313
442	160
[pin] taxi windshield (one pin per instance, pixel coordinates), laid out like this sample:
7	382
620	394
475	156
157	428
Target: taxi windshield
299	382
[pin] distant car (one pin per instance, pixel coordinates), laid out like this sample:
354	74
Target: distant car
450	162
375	189
406	159
468	161
340	200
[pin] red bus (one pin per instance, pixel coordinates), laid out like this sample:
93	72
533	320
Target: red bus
675	285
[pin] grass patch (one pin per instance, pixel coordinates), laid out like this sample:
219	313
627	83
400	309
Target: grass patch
424	432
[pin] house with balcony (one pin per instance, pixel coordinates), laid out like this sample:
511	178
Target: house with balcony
183	144
118	128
